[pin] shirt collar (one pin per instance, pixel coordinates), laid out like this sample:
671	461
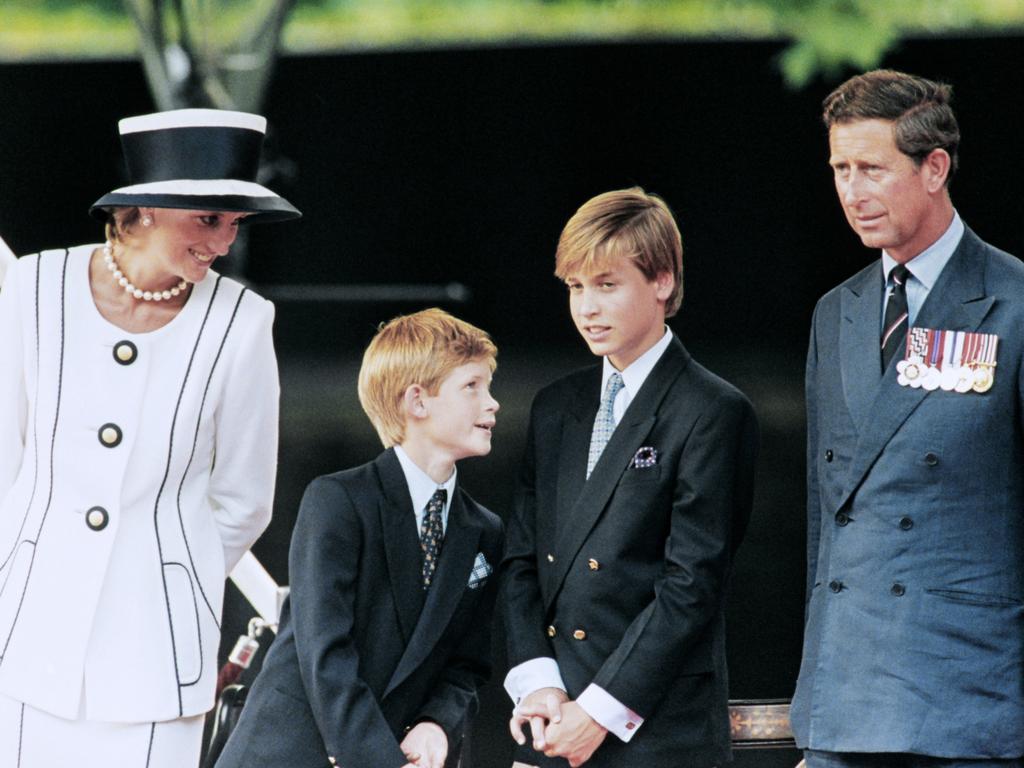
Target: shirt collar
636	373
421	486
927	265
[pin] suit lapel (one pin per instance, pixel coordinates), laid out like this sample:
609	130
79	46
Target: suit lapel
957	302
582	513
859	347
577	427
461	544
401	542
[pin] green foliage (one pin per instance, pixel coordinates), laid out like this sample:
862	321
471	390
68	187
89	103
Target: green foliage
827	37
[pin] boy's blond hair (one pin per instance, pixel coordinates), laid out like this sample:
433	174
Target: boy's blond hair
422	348
625	222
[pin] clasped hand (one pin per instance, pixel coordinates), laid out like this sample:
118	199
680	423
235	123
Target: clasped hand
425	746
560	728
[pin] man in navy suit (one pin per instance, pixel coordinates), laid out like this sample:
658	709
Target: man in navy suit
914	639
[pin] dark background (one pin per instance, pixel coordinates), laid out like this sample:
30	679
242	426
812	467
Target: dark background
435	167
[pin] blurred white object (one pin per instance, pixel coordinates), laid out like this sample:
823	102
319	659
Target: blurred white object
258	587
6	259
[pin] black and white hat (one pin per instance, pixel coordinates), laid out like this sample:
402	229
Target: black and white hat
200	159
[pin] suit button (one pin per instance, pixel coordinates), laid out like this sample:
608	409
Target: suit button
579	634
593	565
630	726
931	459
898	590
842	518
906	523
551	558
551	630
97	518
829	455
835	585
125	352
110	435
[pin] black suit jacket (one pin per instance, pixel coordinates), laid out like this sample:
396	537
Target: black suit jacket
636	558
360	655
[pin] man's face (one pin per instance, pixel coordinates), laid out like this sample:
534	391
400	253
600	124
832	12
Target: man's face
618	311
884	195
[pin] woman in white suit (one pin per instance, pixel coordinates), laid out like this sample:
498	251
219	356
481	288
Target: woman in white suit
138	443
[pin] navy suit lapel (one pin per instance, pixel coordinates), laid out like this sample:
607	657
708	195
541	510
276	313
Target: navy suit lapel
461	544
636	424
577	427
401	543
860	330
958	302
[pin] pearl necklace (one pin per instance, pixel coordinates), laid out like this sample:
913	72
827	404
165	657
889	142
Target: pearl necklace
138	293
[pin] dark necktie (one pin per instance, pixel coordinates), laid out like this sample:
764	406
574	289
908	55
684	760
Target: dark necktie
894	328
432	534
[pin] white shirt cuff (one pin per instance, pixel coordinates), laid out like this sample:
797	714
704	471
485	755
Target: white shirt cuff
523	679
610	712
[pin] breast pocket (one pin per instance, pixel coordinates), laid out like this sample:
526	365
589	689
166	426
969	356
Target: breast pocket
636	475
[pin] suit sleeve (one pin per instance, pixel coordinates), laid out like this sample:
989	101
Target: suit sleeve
13	395
245	469
522	605
323	565
813	497
453	702
710	508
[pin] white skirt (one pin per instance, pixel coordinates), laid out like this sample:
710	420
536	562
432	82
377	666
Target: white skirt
30	738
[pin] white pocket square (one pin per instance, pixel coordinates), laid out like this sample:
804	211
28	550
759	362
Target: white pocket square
481	570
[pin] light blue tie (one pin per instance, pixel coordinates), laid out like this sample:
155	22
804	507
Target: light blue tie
604	422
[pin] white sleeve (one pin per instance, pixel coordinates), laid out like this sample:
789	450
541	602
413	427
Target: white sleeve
245	463
6	260
610	712
13	394
532	675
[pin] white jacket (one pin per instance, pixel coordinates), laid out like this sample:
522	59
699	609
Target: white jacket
113	557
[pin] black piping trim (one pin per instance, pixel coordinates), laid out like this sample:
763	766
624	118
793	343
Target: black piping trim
167	471
35	440
149	749
21	731
53	442
195	441
195	608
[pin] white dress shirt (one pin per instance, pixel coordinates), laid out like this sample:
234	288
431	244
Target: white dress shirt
422	487
925	268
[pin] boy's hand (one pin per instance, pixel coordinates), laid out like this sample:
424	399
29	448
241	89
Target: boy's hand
541	707
576	737
425	746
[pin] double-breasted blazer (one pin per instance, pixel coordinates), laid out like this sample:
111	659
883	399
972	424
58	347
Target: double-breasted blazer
621	578
363	653
914	636
135	469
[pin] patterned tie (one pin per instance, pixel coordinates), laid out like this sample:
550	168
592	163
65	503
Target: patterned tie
432	534
604	422
895	324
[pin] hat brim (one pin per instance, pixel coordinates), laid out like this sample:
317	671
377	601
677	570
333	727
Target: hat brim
260	209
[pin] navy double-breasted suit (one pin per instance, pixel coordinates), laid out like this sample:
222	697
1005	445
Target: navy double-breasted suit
362	654
914	635
621	578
